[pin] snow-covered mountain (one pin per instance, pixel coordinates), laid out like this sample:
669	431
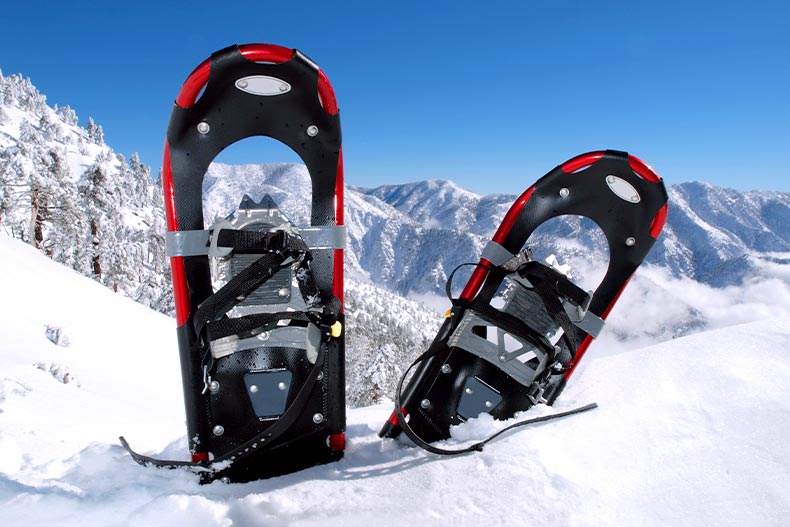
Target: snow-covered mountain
689	433
713	234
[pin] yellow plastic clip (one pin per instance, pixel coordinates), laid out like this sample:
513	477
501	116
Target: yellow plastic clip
336	329
448	314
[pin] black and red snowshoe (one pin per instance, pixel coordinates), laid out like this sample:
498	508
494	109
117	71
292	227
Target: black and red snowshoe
258	300
505	360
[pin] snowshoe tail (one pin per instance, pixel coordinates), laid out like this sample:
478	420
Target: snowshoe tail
258	301
508	359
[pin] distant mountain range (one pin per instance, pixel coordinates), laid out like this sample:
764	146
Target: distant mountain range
408	237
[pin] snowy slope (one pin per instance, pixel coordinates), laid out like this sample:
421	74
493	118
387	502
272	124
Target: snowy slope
690	432
69	194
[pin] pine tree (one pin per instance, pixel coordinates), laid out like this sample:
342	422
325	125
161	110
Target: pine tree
48	129
95	132
65	221
98	202
28	135
68	115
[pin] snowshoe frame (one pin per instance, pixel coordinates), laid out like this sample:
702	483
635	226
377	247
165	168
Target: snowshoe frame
240	92
627	200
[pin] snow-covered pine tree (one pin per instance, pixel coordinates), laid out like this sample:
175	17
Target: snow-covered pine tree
48	129
68	115
95	132
99	202
142	183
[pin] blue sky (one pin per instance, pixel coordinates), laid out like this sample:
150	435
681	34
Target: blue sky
489	94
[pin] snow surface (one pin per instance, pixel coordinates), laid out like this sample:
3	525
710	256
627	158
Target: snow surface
689	432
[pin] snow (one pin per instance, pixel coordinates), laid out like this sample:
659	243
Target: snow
689	432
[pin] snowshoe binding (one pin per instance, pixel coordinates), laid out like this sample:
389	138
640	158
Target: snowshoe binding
503	360
258	301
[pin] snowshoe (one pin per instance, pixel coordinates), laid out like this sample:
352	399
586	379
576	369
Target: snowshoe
507	359
258	301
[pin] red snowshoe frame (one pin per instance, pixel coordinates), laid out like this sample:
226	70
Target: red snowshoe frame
240	92
628	201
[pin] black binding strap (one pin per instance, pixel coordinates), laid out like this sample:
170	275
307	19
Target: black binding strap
227	326
278	248
249	447
257	322
550	285
561	284
247	241
434	349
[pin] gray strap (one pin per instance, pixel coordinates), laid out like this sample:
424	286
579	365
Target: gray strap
329	237
196	243
308	339
587	322
496	254
187	243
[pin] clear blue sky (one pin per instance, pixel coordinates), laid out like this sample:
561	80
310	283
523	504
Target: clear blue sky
489	94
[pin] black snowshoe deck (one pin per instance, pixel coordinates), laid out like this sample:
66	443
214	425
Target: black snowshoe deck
262	354
507	359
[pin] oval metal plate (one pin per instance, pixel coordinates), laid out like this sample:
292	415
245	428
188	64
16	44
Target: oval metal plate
263	85
623	189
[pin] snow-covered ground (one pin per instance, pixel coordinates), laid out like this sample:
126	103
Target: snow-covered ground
689	432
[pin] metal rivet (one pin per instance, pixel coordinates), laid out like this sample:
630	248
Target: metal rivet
425	403
446	368
320	375
635	199
469	391
282	386
254	389
630	241
225	479
610	179
213	386
218	430
203	127
283	87
264	335
503	357
242	84
489	404
318	418
283	292
564	192
312	130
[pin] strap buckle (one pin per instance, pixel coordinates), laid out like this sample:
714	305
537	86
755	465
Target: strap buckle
535	393
278	243
214	249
